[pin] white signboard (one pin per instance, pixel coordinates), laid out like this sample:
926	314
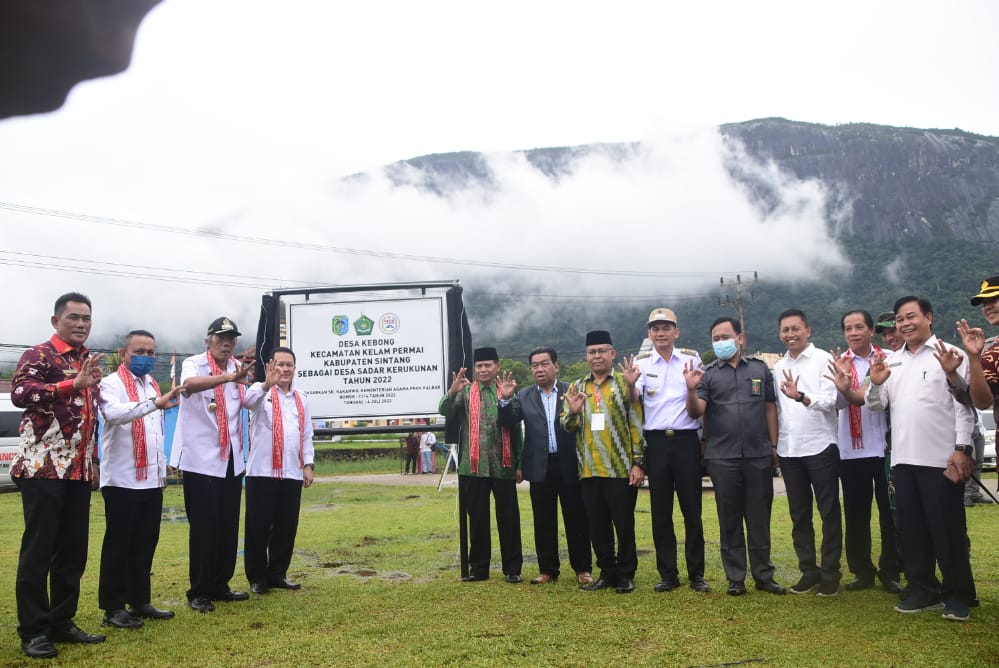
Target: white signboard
376	358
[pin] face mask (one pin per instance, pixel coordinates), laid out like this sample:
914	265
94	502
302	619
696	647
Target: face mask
140	365
724	350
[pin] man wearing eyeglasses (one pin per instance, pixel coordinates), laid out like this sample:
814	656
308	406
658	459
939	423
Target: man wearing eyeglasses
607	422
549	464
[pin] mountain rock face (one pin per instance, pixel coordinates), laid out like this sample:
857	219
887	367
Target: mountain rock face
899	184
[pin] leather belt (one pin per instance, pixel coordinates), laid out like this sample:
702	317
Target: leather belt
671	433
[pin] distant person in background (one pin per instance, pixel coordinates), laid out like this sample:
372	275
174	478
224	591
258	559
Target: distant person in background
280	465
208	447
133	475
890	338
427	442
56	384
862	460
550	465
489	459
607	421
412	444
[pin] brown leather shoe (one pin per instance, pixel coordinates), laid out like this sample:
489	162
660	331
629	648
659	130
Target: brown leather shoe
544	579
584	578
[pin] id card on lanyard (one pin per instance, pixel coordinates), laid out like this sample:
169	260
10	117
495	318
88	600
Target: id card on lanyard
597	418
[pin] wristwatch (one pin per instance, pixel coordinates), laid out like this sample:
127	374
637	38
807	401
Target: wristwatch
801	397
966	449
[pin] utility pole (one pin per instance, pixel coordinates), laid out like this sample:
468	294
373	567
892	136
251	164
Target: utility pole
740	297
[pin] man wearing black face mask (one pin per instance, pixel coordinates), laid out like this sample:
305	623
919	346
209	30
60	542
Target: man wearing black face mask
133	474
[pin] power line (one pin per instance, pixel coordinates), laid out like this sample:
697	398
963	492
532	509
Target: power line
118	222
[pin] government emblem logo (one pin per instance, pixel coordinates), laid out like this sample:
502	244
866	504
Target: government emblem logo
363	326
341	325
389	323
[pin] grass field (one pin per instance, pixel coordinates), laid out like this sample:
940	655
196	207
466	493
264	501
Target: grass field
379	567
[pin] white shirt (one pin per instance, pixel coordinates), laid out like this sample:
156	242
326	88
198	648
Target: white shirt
196	439
261	464
926	421
806	430
117	452
872	423
664	391
427	441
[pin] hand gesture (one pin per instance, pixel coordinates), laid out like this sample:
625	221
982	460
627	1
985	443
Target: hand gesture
629	370
271	375
692	374
841	377
168	400
241	375
789	386
574	399
89	374
507	385
458	382
879	370
950	359
636	476
972	337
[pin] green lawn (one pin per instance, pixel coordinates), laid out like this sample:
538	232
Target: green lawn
379	565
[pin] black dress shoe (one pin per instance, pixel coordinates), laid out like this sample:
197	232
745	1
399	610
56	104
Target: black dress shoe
736	588
39	647
667	584
514	578
771	587
625	586
74	634
120	619
474	578
284	583
699	584
858	585
230	596
890	586
599	583
150	611
259	588
201	604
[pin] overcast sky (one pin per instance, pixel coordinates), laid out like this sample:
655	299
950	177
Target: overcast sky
241	117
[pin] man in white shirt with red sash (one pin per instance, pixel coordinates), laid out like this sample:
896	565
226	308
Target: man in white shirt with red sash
208	448
280	464
133	475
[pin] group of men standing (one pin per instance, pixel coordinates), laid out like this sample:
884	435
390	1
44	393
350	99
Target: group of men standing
852	419
62	390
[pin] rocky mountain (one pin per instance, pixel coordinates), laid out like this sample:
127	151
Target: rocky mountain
899	183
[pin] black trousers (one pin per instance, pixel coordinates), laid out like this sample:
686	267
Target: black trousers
132	518
270	527
412	457
212	506
673	464
476	492
545	498
865	480
53	553
610	507
933	532
819	474
744	493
